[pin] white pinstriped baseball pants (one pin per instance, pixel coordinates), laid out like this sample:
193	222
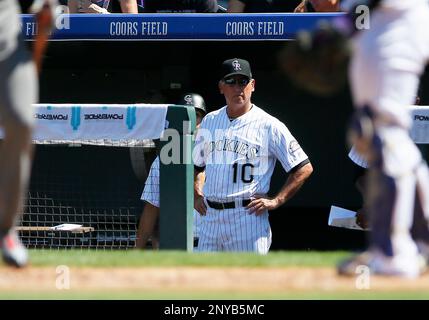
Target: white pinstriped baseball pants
234	230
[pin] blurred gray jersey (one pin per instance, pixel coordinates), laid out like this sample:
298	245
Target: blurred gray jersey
9	27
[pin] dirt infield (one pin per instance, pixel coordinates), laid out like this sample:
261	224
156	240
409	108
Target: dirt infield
188	279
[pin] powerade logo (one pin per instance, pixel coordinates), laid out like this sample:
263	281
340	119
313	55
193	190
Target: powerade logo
104	116
421	117
76	117
51	117
44	116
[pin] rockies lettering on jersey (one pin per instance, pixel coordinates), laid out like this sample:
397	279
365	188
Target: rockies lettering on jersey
239	147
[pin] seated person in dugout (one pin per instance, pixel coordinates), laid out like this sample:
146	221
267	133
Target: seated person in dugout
148	228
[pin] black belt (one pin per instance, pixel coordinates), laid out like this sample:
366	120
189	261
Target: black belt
226	205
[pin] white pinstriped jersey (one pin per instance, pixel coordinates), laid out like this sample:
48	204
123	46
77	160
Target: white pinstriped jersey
151	192
239	158
357	158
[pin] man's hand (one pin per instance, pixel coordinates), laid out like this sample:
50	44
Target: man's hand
293	183
199	205
301	7
325	5
319	6
260	205
362	219
129	6
85	6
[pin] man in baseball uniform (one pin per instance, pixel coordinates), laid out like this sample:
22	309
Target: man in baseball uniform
148	221
237	147
384	73
18	91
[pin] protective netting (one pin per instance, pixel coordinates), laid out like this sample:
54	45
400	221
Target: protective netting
85	196
89	170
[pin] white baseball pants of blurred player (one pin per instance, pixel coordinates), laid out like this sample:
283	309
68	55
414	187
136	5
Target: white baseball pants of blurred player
384	74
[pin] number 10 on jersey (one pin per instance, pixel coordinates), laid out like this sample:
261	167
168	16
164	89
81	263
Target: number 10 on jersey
246	172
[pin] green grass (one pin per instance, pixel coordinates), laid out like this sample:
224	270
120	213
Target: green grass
136	258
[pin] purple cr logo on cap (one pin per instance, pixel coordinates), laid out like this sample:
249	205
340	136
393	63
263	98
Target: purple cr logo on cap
236	65
188	99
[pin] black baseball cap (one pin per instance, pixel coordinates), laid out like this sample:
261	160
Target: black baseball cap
195	100
236	66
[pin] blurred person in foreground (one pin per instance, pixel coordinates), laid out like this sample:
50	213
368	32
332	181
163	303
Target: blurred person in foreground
385	68
382	46
18	91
